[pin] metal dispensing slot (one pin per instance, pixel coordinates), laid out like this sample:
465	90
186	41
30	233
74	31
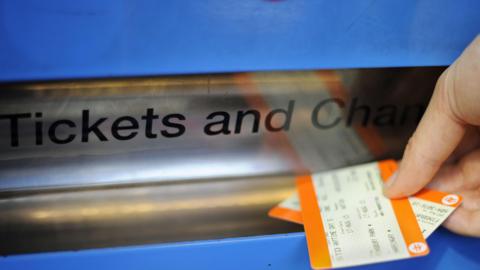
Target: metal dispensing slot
187	173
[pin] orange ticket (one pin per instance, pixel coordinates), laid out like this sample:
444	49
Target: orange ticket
431	208
349	222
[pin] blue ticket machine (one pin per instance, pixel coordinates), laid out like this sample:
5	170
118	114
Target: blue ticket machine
158	134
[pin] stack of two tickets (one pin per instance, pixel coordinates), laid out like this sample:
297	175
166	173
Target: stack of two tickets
348	221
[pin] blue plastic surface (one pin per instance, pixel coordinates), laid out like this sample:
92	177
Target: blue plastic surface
58	39
287	251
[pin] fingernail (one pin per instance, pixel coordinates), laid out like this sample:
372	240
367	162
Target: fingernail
390	181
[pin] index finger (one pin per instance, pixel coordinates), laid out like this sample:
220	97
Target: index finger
437	135
453	105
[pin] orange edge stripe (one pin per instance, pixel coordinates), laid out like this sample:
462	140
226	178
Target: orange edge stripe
295	216
403	211
436	196
313	225
286	214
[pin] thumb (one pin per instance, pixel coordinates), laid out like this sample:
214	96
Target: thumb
438	133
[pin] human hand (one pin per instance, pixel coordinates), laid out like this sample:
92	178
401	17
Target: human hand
444	151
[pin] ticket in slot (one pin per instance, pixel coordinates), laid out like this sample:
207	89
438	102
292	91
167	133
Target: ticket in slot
349	222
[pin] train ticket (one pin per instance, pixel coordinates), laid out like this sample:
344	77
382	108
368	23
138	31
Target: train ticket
431	208
357	224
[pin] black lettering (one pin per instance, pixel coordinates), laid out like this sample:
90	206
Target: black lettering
87	129
38	129
224	123
315	121
420	108
149	117
287	118
14	126
240	117
385	116
117	126
354	109
52	131
166	121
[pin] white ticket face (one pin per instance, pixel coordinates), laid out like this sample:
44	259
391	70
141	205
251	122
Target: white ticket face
432	212
348	221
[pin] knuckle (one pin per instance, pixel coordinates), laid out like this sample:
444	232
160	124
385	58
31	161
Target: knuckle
448	100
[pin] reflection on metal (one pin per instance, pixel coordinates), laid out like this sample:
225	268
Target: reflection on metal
81	219
194	186
127	208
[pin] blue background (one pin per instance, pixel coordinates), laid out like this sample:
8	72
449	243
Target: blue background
59	39
282	251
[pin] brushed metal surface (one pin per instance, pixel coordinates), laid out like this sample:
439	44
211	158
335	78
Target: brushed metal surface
167	212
